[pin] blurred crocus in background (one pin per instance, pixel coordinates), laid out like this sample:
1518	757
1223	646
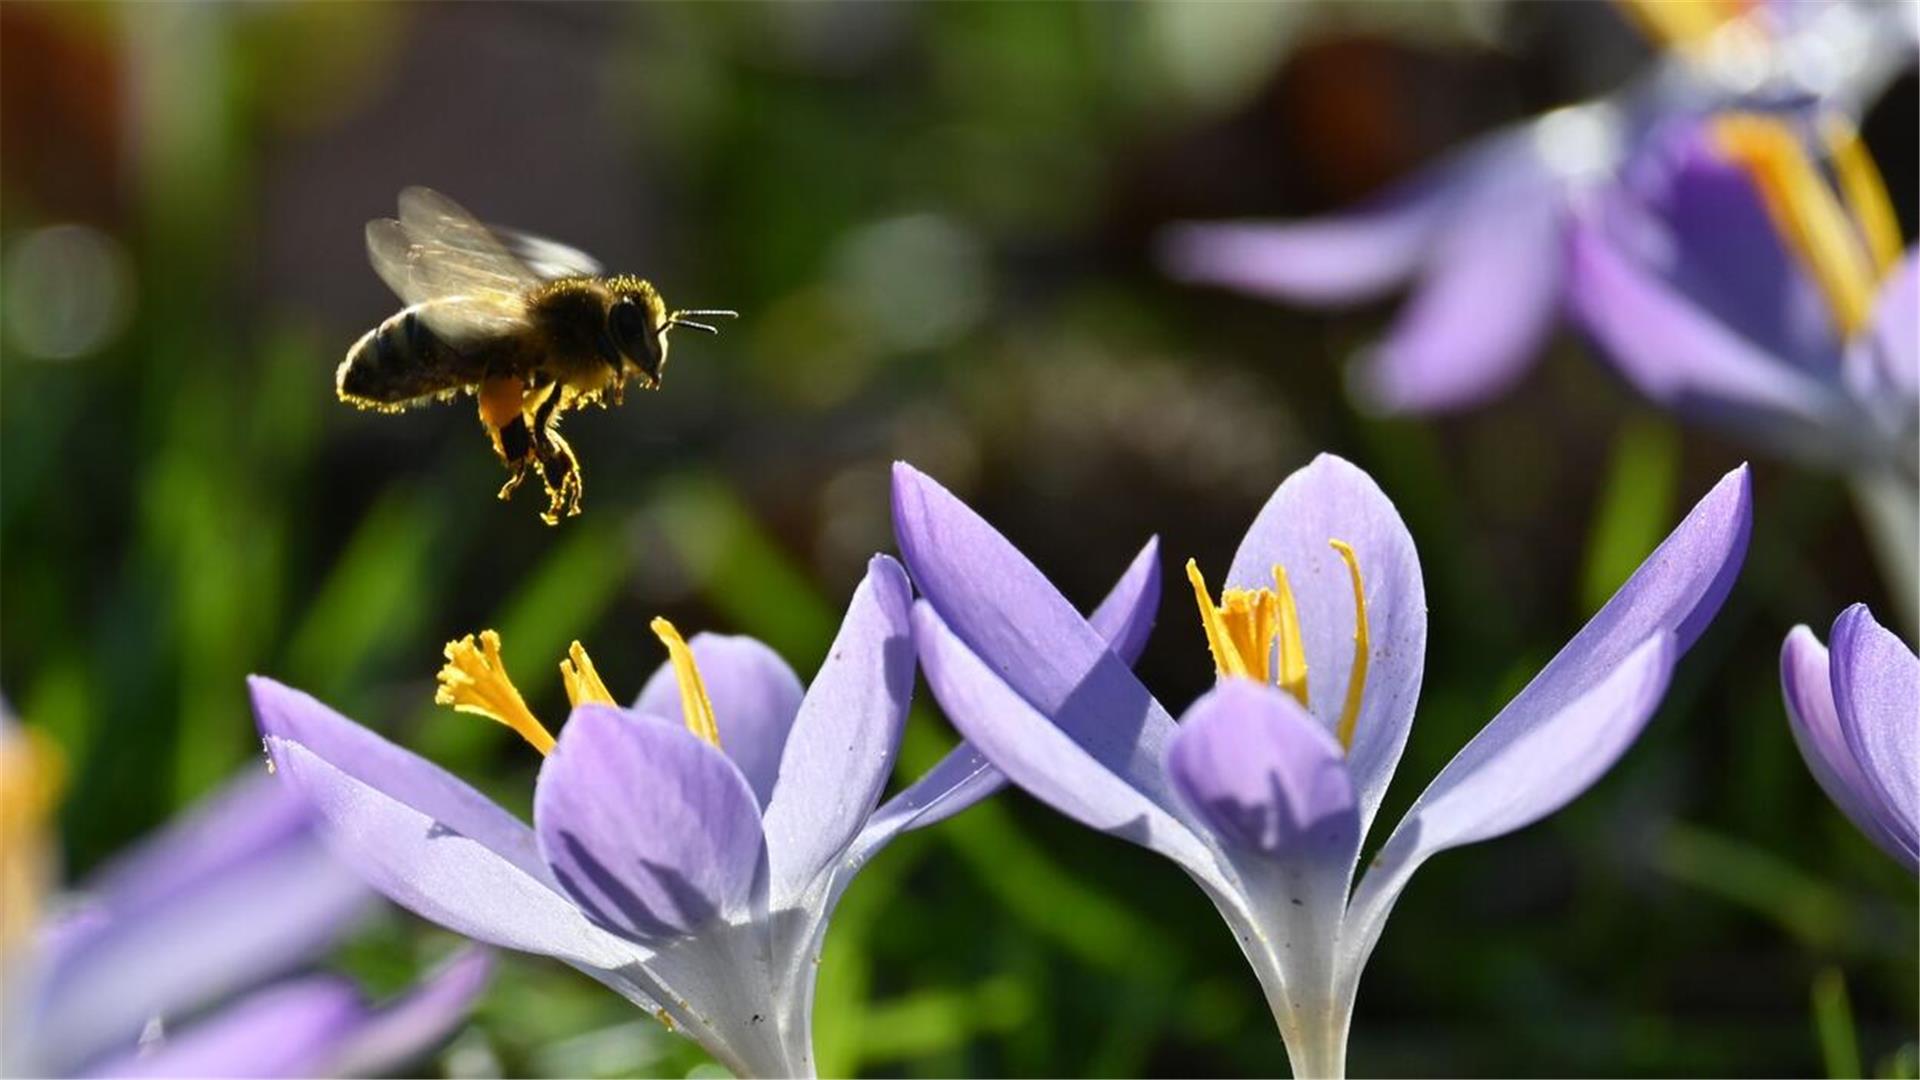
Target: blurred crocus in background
1264	791
1851	705
1482	236
687	852
180	958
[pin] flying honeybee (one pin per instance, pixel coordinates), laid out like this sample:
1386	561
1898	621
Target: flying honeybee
530	327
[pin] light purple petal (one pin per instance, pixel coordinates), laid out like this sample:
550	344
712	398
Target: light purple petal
1266	776
1006	612
419	1020
651	829
1053	765
197	940
1332	499
429	842
1337	260
964	777
1479	317
848	732
1521	767
1896	328
1807	686
755	697
1679	355
286	1030
1876	691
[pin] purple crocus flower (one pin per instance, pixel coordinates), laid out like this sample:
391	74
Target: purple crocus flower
1853	713
163	963
1265	790
1482	236
686	852
1747	270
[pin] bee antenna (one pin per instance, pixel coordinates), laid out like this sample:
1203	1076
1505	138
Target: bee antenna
691	325
711	313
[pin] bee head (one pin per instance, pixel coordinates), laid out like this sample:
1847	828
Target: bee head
637	323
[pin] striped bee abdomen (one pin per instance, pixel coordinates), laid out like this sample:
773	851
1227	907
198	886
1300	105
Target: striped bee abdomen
400	363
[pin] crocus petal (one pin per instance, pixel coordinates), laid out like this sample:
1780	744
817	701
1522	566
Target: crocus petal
1332	499
1896	327
1521	767
1267	777
1055	766
651	829
1491	293
1677	354
416	1022
285	1030
755	698
847	734
1337	260
426	840
1006	612
1876	683
964	776
194	946
1806	683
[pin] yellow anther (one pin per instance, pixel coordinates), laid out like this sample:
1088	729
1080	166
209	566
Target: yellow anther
695	706
1290	666
1672	23
1864	191
32	776
582	681
474	680
1362	647
1805	211
1239	629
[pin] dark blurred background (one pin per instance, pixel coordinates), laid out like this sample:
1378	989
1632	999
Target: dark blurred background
937	222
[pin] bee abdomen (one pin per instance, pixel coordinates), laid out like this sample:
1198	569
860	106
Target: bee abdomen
400	363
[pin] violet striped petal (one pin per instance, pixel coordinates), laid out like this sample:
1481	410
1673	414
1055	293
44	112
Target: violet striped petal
755	698
1000	606
847	734
422	837
648	827
1806	684
1059	767
964	777
1332	499
1876	685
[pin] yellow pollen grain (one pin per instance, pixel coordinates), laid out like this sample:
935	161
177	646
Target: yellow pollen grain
695	706
582	680
1290	667
1805	210
1864	190
1362	647
474	680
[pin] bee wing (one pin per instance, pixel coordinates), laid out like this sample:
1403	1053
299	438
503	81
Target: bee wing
437	255
548	258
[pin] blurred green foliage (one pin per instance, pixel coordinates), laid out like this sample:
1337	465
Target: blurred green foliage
937	220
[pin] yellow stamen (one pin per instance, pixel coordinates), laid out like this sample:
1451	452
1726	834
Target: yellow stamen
582	681
1805	211
695	705
1673	23
32	776
1239	629
1357	678
474	680
1290	668
1864	190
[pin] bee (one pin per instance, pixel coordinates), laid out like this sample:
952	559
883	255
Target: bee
530	327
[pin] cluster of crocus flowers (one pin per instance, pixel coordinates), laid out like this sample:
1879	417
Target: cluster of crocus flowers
1481	238
183	957
1852	711
1265	789
1748	270
687	851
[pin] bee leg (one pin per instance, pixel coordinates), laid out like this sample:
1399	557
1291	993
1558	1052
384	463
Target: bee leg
560	471
515	444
